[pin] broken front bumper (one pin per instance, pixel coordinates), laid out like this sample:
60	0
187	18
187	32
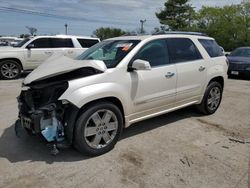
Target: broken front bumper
40	112
45	120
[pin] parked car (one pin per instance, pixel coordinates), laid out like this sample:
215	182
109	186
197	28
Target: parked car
30	53
88	101
16	42
239	62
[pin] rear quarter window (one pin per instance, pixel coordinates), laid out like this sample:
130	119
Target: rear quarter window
182	50
62	43
87	43
212	48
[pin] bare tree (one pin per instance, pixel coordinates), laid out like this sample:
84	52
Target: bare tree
32	30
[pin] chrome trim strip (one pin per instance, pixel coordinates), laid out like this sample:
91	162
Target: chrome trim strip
155	99
160	113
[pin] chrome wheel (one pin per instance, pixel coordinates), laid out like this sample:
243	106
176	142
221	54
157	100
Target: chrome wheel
214	98
10	70
101	128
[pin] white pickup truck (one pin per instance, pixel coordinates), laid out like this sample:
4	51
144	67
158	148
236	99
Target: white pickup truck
30	53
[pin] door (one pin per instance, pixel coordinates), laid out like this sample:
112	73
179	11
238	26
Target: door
38	51
154	90
191	69
63	46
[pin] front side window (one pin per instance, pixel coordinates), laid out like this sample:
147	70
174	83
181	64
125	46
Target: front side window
241	52
111	52
87	43
41	43
212	48
182	50
62	43
155	52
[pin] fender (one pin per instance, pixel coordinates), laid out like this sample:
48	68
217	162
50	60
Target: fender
81	96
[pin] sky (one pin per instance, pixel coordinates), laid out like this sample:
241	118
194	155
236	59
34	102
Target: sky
84	16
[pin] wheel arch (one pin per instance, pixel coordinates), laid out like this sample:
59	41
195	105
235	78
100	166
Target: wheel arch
77	112
113	100
13	59
218	79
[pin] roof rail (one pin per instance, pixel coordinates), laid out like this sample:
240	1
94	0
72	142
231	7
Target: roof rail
179	33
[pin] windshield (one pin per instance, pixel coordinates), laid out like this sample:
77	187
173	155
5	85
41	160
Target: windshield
241	52
111	52
20	44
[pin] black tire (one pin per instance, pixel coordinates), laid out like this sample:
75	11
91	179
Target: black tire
16	68
80	141
204	107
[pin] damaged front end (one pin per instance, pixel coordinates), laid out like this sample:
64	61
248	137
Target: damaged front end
40	112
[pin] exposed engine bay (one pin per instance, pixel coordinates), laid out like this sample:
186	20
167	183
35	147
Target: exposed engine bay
40	111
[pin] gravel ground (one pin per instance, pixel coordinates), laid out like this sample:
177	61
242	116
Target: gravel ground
179	149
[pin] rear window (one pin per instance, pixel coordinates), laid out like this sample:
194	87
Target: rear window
87	43
182	50
62	43
212	48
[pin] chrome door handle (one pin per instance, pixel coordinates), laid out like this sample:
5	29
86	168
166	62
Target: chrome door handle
169	75
202	68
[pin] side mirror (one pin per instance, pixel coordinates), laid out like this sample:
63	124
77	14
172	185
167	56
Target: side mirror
29	46
139	64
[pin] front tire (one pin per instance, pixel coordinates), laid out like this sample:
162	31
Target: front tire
212	99
10	69
98	128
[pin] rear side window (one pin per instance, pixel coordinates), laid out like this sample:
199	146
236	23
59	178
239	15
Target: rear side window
42	43
212	48
62	43
155	52
87	43
182	50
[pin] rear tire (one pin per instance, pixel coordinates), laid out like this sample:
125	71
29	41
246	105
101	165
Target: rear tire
212	99
98	128
10	69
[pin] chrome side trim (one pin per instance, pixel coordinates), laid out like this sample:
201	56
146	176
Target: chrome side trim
155	99
159	113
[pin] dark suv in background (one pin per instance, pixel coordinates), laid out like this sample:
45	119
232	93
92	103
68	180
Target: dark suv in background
239	62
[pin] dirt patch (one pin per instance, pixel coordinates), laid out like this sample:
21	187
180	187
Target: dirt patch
133	169
26	181
219	127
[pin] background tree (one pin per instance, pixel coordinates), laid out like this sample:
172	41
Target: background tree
24	36
32	30
177	14
104	33
229	25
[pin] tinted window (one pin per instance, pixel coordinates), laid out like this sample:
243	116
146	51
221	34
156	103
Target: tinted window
61	43
155	52
87	43
241	52
182	50
212	48
42	43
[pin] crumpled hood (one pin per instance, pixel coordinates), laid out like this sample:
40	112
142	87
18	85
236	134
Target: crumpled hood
57	65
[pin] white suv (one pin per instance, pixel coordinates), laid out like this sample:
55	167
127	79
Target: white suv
30	53
88	101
